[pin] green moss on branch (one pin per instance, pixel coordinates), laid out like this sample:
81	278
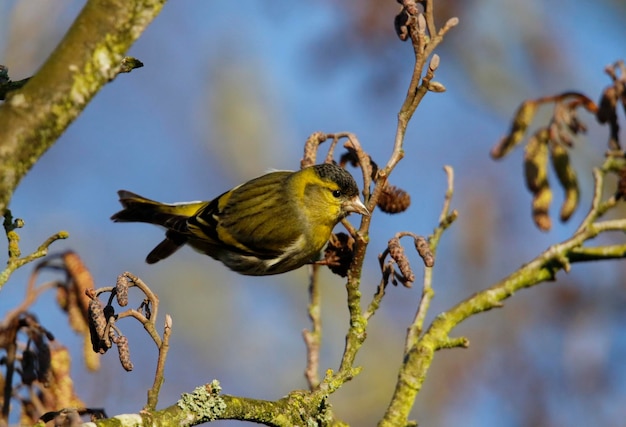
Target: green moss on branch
90	55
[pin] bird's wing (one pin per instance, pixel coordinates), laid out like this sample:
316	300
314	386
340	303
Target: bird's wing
253	218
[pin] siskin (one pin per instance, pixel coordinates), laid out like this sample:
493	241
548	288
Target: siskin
269	225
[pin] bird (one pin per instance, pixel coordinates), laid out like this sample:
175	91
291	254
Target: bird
269	225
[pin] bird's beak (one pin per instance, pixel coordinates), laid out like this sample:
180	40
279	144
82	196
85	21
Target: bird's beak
355	205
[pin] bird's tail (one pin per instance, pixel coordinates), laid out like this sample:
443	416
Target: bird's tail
171	216
140	209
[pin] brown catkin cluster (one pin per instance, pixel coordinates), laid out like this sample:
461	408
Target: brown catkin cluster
121	290
566	175
339	253
423	249
44	360
539	150
405	18
35	360
102	325
124	352
394	200
550	144
536	174
28	365
350	157
72	297
80	280
523	117
396	251
97	326
611	97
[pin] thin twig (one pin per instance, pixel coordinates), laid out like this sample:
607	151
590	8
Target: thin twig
430	18
544	267
377	299
423	47
154	299
153	393
598	207
428	293
15	260
313	337
148	324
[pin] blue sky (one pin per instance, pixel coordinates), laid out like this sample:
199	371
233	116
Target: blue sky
226	82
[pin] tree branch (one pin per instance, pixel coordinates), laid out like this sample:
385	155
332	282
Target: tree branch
89	56
544	267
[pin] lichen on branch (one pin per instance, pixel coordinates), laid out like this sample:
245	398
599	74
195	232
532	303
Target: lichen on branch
90	55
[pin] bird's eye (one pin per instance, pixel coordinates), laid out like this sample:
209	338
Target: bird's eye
336	194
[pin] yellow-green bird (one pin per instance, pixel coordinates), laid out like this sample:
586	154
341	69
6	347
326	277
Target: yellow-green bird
269	225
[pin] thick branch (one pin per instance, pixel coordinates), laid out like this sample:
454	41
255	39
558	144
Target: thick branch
89	56
206	404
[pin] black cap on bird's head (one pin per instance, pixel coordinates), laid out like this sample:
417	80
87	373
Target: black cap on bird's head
338	175
346	184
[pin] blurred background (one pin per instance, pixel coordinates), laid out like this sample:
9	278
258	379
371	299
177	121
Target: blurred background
232	89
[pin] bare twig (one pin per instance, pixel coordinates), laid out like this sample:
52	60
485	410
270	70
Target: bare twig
419	356
146	314
15	260
445	220
313	337
423	46
598	207
153	393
